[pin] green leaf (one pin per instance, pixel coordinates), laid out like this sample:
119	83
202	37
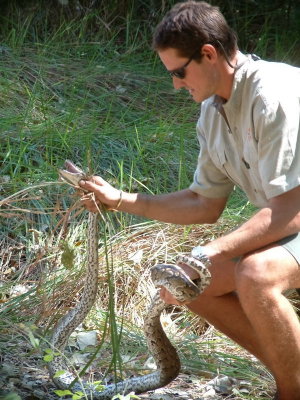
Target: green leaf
50	354
99	387
68	256
59	373
48	357
62	393
77	396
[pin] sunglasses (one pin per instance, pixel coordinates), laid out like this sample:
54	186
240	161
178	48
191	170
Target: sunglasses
180	72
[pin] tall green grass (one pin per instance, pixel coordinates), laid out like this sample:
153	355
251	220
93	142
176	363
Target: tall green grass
90	106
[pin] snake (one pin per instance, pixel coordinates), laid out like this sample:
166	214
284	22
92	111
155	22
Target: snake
171	276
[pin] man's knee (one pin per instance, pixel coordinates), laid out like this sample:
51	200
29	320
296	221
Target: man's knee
270	269
254	273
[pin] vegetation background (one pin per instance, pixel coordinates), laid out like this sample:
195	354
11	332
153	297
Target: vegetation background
79	81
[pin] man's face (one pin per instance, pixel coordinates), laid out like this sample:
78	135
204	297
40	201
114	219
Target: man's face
200	79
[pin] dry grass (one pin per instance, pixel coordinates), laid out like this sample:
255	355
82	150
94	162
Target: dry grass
45	289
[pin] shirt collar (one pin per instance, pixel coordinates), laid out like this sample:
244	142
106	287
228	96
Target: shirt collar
218	101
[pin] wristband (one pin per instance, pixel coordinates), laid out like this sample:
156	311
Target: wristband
199	253
118	204
120	200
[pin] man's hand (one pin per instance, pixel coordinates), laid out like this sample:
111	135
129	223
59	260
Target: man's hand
104	193
167	297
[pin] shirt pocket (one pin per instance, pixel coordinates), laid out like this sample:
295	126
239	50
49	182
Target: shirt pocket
226	160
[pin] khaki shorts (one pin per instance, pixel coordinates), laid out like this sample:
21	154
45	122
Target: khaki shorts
292	245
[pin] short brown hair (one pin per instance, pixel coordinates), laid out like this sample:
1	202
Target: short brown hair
190	25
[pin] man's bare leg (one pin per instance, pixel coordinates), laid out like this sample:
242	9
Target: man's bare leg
260	319
261	278
225	314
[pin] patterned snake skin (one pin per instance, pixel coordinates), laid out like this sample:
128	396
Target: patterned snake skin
171	276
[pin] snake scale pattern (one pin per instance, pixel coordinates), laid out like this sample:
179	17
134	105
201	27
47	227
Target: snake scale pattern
163	352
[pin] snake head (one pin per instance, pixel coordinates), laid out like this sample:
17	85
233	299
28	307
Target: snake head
72	174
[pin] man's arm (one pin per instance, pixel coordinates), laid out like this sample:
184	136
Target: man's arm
182	207
279	219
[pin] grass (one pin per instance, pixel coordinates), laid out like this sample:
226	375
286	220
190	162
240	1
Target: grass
111	109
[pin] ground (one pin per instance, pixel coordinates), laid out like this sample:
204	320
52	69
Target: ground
24	373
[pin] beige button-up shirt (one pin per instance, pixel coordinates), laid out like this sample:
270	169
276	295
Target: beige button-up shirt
252	140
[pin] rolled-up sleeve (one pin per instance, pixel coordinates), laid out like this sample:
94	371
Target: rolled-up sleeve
277	129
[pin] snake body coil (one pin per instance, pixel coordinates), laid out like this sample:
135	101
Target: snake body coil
164	353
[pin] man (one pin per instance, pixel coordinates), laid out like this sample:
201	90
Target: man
248	133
